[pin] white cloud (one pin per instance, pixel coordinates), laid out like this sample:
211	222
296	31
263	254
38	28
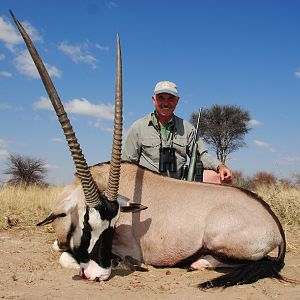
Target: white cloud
37	118
51	167
43	103
112	4
265	145
262	144
104	128
19	108
84	107
78	53
23	61
292	158
8	34
25	65
4	106
32	32
4	143
8	106
102	48
80	107
53	71
5	74
57	140
108	129
4	154
254	122
297	73
288	160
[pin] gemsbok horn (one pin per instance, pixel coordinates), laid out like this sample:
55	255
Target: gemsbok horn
91	242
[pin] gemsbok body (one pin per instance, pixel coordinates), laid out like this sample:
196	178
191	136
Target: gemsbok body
199	225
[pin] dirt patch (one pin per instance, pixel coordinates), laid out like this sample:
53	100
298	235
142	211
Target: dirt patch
30	270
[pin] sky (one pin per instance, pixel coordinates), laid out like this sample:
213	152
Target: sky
234	52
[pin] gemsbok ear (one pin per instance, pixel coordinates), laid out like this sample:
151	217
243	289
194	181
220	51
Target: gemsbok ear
128	207
132	208
50	219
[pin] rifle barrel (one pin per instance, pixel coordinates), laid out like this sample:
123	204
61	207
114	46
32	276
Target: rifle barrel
191	172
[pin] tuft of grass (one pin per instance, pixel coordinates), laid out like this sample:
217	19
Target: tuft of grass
285	201
25	206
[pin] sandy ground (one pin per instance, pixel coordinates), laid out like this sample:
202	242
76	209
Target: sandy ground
30	270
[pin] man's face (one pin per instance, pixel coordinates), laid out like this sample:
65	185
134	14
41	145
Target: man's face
165	104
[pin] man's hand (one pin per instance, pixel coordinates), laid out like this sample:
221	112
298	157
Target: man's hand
225	174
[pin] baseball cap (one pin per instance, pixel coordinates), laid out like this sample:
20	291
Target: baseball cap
166	87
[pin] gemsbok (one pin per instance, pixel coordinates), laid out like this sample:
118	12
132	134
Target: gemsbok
200	225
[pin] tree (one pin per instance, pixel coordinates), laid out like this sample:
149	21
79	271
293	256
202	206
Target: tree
223	127
25	170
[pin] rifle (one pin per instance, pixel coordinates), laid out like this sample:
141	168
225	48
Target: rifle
195	170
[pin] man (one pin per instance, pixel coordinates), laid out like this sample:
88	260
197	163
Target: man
163	137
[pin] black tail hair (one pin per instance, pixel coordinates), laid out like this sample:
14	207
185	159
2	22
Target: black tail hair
251	271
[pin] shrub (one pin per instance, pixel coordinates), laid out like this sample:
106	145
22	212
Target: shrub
241	181
264	178
25	170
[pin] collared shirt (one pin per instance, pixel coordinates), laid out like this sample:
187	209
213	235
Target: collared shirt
165	130
143	142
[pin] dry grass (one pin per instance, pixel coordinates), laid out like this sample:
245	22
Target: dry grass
285	201
24	207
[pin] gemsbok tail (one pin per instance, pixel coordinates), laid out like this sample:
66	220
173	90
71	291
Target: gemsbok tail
252	270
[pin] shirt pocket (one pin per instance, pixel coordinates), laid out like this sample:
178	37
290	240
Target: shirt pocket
150	148
180	146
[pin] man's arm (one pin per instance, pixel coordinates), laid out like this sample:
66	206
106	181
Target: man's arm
209	162
131	148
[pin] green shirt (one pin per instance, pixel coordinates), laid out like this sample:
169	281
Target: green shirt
164	130
143	142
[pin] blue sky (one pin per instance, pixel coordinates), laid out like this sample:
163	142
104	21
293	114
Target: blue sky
244	53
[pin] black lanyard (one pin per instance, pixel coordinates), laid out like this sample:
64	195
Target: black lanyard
159	131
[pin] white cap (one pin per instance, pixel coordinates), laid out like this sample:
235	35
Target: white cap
166	87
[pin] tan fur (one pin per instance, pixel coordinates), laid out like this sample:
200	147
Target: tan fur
181	218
